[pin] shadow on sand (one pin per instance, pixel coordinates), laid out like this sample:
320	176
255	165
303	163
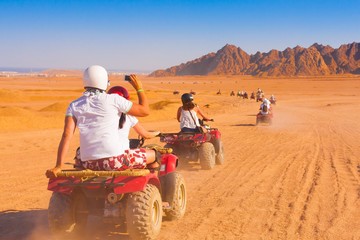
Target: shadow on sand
33	225
244	125
30	224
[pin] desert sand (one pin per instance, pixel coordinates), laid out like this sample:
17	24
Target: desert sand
296	179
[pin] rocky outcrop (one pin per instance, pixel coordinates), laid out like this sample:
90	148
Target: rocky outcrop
297	61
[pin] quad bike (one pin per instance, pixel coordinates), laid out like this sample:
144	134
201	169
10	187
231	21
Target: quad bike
273	101
134	198
264	118
252	96
205	145
259	97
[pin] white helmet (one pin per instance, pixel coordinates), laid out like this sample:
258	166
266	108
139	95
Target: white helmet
96	77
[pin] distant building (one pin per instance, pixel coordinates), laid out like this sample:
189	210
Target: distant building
17	74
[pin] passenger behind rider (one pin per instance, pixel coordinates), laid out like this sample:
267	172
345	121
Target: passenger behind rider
187	114
96	114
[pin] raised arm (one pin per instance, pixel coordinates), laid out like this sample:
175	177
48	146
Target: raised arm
140	109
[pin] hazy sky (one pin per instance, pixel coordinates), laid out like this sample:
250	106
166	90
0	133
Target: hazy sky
150	35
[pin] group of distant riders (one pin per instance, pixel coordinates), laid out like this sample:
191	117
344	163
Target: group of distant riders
265	107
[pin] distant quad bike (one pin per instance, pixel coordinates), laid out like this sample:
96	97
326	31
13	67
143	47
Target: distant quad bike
273	101
264	118
206	146
245	95
134	198
259	97
252	96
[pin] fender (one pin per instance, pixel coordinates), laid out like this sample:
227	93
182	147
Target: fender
169	163
215	134
55	184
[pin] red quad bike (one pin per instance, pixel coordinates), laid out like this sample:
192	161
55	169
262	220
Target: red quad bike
252	96
134	198
264	118
273	101
206	146
259	97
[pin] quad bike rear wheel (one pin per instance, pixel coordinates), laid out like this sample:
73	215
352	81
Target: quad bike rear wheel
175	195
67	214
207	155
144	213
219	149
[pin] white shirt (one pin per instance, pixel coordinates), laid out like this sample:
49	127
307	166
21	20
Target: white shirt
267	102
187	121
97	117
261	108
129	123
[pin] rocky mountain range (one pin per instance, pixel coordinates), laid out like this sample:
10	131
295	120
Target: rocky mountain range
298	61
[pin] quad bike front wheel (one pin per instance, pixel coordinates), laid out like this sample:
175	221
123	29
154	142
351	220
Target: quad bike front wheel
207	155
144	213
67	214
175	195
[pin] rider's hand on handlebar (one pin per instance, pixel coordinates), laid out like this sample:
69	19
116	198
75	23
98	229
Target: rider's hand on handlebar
156	133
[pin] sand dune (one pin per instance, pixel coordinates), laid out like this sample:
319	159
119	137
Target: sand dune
296	179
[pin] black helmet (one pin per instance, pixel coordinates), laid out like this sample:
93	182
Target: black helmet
186	98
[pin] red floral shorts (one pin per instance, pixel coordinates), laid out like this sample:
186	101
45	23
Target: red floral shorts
131	158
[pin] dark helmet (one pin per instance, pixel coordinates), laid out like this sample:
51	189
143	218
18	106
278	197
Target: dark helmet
120	91
186	98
